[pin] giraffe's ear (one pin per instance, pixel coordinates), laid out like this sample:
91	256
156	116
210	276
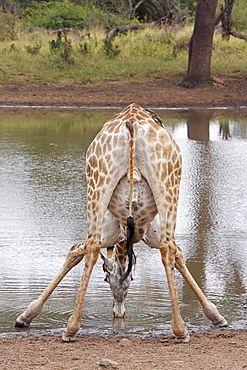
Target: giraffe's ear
107	265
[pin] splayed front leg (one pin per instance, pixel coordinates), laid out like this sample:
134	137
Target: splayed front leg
74	323
74	256
33	310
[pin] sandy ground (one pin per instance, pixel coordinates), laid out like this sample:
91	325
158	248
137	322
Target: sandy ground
214	349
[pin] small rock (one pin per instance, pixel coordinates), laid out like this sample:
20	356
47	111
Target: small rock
164	341
105	362
125	342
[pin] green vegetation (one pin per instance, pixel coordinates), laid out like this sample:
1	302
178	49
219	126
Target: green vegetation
239	14
30	49
56	14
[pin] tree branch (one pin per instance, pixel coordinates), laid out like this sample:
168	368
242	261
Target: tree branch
238	35
220	16
130	27
133	13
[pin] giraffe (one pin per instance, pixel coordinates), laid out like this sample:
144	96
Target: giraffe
133	170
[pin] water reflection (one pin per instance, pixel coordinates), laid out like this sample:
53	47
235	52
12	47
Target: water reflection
43	203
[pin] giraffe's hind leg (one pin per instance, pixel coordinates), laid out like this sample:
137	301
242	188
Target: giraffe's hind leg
74	256
152	239
168	253
208	307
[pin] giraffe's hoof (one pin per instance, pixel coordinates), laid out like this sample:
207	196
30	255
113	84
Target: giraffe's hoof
22	323
221	323
184	339
67	337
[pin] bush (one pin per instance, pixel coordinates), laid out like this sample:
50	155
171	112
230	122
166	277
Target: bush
33	50
239	15
62	50
8	25
55	15
109	49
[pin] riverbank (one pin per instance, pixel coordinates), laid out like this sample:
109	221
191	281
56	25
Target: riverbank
214	349
220	92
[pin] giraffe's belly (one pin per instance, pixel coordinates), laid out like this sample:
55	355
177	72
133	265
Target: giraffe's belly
143	205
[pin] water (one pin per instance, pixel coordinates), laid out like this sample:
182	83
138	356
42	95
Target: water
43	213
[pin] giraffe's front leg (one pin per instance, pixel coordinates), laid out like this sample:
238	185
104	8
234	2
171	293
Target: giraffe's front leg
74	256
208	307
168	260
74	323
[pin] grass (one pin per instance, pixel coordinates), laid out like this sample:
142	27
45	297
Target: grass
229	57
138	55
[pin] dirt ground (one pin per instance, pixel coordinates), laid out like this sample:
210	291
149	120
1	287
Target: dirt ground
223	91
213	349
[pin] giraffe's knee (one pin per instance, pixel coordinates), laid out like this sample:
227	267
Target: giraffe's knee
168	253
163	249
75	255
179	255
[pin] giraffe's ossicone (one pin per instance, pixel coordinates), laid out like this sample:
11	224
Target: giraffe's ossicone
133	170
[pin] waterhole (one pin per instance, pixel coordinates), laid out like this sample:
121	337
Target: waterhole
43	213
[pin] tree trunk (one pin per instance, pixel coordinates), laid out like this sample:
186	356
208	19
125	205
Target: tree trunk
226	19
201	43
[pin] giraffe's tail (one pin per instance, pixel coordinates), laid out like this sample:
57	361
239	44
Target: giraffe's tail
130	219
129	247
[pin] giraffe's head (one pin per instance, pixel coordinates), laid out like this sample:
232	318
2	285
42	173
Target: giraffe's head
114	270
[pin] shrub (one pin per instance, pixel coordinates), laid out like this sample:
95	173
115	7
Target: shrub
55	15
109	49
239	15
33	50
62	50
8	25
84	48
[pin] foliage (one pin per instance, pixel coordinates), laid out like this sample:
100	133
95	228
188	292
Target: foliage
8	26
84	48
109	49
10	6
62	50
33	50
55	15
239	15
78	14
190	8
